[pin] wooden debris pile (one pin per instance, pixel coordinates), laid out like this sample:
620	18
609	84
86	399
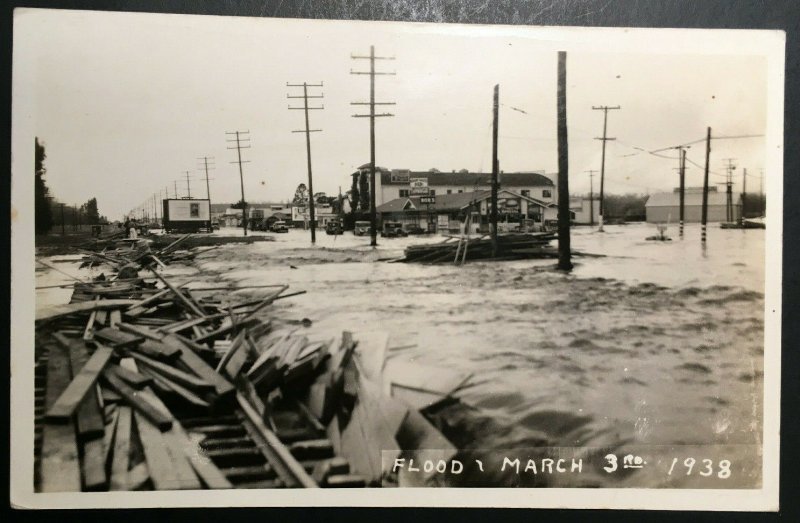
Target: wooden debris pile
142	383
510	246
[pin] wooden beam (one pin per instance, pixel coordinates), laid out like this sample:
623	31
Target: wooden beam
68	402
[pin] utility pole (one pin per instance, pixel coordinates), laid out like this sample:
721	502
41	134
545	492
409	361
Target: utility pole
495	168
308	132
605	109
744	195
564	255
176	188
682	189
206	167
188	187
729	168
240	138
372	103
63	232
591	197
704	214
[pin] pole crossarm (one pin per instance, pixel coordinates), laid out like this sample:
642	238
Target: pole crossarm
372	115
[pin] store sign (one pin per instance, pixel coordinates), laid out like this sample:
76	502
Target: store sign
443	221
428	200
418	186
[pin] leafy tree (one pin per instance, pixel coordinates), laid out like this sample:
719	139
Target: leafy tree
42	214
300	195
354	194
363	190
241	204
90	209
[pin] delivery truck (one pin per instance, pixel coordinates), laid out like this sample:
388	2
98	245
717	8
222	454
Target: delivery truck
187	215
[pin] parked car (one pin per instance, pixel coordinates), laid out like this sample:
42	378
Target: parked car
214	225
279	226
393	230
415	229
362	228
334	227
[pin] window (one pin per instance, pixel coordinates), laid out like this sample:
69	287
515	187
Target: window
460	191
403	193
546	193
449	191
433	192
194	210
525	192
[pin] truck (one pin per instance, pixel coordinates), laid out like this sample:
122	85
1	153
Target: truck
186	215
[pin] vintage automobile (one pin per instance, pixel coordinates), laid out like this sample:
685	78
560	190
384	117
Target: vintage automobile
334	227
279	226
415	229
393	230
362	228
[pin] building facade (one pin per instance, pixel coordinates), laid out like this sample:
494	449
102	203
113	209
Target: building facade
665	207
323	214
448	213
586	211
404	183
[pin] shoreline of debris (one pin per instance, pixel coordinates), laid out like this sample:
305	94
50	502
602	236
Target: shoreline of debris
143	384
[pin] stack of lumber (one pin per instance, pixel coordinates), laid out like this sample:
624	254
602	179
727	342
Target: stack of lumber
143	384
510	246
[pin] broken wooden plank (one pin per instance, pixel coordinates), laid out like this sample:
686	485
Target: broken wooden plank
118	338
159	461
60	468
156	416
69	401
115	317
134	379
93	466
202	369
159	351
178	294
68	309
172	374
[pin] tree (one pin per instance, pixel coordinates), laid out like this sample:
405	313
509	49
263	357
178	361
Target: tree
300	195
354	194
363	190
90	209
42	214
241	204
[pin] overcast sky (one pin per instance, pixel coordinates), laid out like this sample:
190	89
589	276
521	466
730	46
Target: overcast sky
125	103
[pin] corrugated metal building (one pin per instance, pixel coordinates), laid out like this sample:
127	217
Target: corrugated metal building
665	207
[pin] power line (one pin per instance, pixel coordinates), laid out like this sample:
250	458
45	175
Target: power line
206	167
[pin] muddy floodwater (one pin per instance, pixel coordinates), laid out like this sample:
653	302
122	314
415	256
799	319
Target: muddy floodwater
653	344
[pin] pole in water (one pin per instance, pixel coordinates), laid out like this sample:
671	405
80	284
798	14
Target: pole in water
564	261
682	187
495	169
704	215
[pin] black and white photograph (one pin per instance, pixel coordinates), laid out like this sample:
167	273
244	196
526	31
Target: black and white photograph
271	262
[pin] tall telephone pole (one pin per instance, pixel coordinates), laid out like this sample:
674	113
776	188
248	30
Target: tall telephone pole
188	187
372	103
495	167
175	182
605	109
308	132
240	139
744	195
729	168
564	254
206	167
591	197
682	190
704	213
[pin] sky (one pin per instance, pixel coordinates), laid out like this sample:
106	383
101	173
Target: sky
126	103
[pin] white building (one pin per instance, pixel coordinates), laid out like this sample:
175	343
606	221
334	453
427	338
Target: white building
396	183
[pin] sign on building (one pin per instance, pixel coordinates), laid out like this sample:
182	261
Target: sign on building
400	175
428	200
418	185
443	222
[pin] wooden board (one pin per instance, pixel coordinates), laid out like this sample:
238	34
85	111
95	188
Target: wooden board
118	338
58	311
421	377
159	461
202	369
185	379
89	416
60	468
93	466
120	460
371	352
158	418
68	402
134	379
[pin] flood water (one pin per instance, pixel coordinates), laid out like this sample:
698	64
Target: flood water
653	344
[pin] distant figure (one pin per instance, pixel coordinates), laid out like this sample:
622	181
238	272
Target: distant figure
127	227
134	234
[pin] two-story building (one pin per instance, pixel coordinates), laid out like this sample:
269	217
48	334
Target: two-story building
403	183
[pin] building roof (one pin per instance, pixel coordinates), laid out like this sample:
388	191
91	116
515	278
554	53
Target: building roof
471	179
672	199
450	202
